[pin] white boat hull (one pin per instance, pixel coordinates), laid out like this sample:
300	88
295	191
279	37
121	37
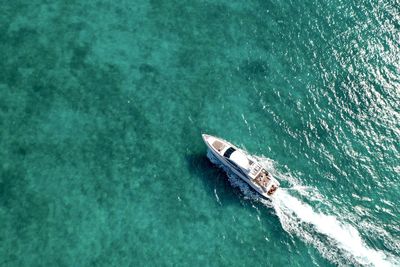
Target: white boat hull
225	162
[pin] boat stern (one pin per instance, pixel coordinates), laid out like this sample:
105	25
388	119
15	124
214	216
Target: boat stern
274	185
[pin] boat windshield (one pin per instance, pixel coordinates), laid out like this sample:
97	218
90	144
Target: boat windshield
229	152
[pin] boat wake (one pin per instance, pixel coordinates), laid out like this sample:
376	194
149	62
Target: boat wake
339	242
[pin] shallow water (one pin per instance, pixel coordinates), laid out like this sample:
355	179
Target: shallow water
102	106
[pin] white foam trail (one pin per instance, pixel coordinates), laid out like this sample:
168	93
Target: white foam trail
341	243
293	213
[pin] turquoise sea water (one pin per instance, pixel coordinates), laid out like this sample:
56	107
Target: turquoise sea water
102	106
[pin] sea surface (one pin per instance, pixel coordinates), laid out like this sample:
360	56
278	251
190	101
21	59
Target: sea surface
102	107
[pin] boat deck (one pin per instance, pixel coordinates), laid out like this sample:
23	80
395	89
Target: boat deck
218	145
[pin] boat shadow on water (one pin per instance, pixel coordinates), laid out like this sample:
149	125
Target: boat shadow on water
215	180
218	186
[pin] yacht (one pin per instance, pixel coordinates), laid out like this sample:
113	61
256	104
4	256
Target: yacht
247	167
